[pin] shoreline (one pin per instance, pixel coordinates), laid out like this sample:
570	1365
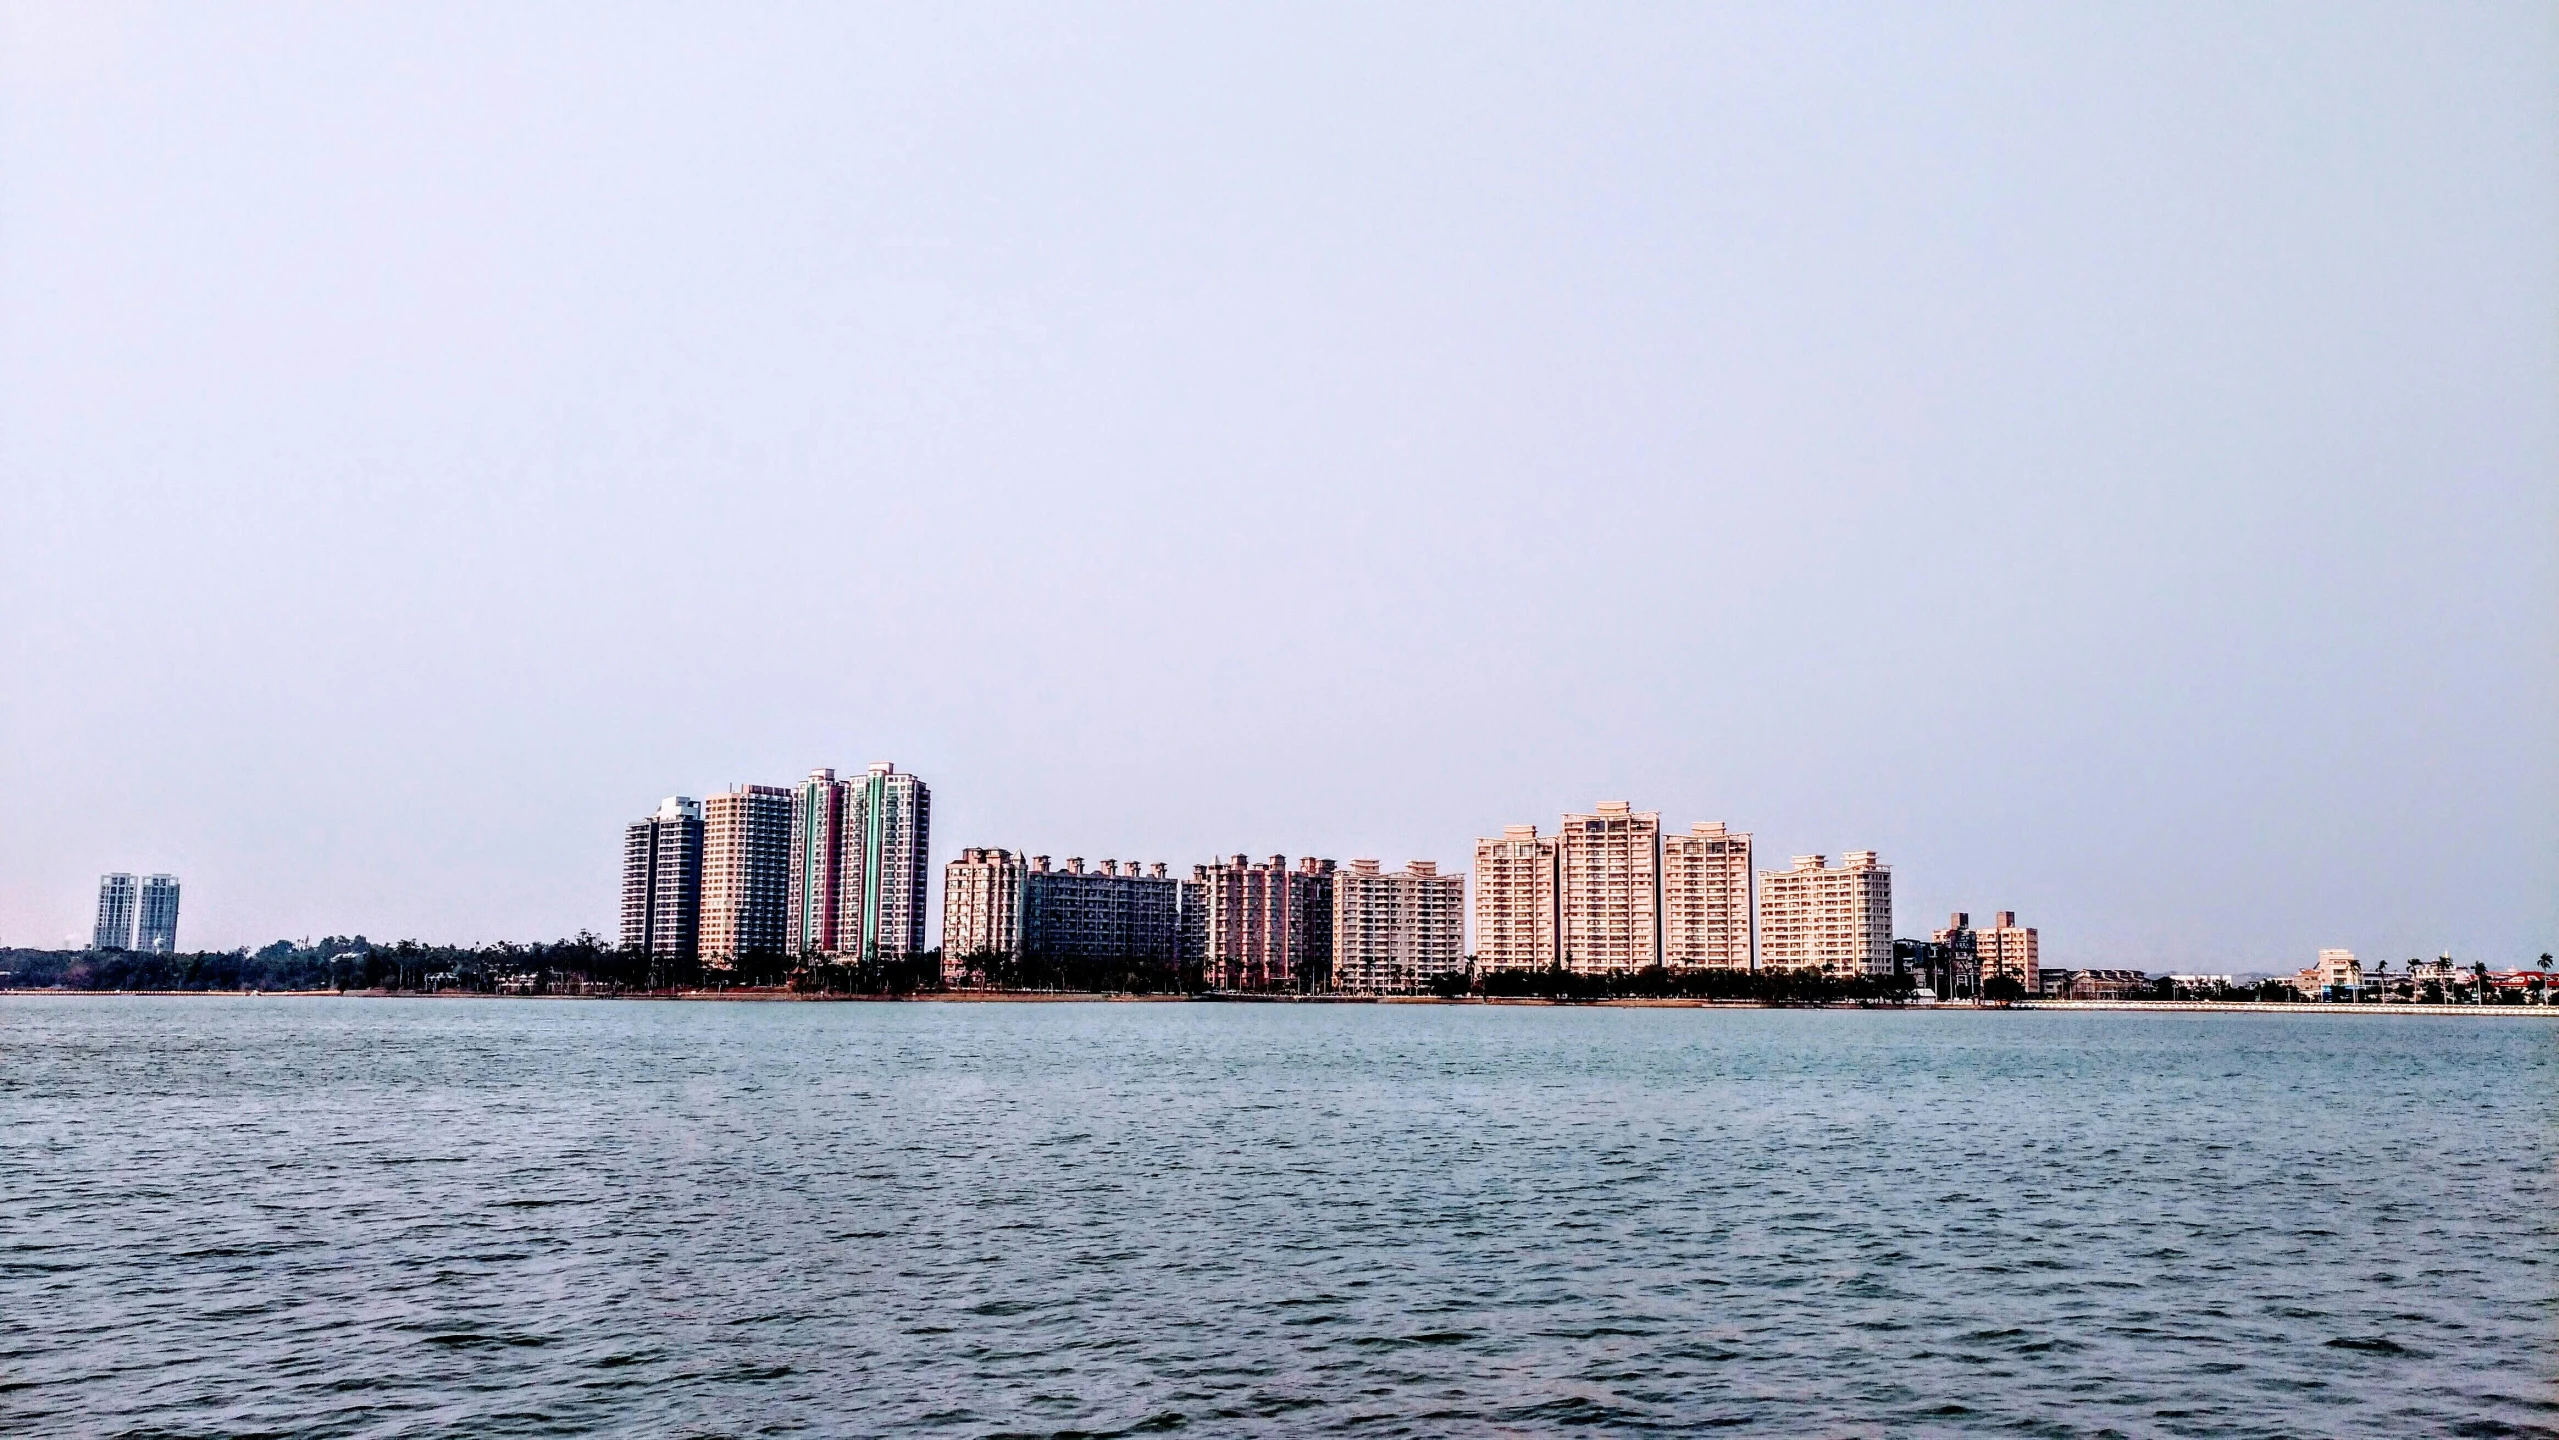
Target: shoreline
1086	997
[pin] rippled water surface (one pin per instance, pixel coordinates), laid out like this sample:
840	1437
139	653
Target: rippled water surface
230	1216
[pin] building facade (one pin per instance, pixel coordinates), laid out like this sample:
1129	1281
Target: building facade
1515	900
1395	933
2008	948
1838	921
887	850
116	900
1706	908
1609	902
1111	912
812	898
981	909
2337	975
1953	968
2093	984
1268	927
156	916
746	871
662	880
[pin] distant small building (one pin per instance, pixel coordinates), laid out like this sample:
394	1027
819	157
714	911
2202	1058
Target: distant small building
2335	977
2524	987
2094	984
1947	963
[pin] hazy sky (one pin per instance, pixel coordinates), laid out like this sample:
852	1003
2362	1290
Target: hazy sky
2105	458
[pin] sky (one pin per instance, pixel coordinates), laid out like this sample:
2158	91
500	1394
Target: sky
2103	457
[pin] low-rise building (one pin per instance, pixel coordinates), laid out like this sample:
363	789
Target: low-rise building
2521	987
2335	976
2093	984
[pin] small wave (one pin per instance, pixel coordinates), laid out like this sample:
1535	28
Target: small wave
2370	1344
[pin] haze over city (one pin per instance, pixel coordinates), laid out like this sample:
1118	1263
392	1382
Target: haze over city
2100	460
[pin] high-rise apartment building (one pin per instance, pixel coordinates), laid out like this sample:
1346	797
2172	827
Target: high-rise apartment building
156	922
888	826
1111	912
812	898
746	871
662	880
1515	900
1191	939
115	913
1706	882
1609	902
981	909
1837	921
1394	933
2008	948
1268	927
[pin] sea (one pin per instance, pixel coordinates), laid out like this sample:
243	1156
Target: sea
316	1216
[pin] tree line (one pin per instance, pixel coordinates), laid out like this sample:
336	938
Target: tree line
581	964
584	963
1763	987
337	962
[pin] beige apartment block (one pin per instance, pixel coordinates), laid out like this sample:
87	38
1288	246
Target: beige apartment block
981	909
746	871
1394	933
1515	900
1837	921
1265	927
1609	903
2338	976
1706	899
2008	948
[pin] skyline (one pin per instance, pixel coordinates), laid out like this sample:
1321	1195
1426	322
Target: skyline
1740	878
2100	460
